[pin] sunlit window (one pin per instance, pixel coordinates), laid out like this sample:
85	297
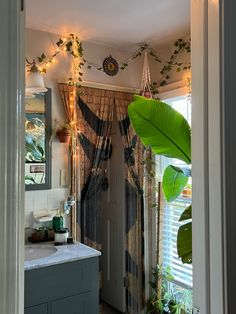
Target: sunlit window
182	283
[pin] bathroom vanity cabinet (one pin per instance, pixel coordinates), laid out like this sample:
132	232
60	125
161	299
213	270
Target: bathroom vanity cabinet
66	288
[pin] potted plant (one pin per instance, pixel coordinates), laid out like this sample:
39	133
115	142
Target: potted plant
63	131
163	301
187	191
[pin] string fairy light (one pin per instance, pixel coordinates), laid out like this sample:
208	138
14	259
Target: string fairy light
73	46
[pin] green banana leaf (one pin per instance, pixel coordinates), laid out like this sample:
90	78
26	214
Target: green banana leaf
168	133
184	243
187	214
184	237
161	127
174	181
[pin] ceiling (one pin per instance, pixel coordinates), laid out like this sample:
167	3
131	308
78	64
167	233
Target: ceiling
116	23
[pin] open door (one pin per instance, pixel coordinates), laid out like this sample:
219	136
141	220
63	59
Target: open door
113	230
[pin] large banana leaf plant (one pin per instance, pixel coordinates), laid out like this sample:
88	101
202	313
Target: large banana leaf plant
168	133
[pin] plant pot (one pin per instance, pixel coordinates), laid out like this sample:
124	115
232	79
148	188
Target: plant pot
63	135
187	193
146	94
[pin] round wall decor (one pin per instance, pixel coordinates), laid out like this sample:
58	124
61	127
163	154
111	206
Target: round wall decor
110	66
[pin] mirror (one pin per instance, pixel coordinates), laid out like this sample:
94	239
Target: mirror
37	137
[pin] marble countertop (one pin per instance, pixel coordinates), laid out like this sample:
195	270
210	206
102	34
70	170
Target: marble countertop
63	254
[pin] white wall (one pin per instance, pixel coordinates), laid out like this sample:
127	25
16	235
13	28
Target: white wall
165	51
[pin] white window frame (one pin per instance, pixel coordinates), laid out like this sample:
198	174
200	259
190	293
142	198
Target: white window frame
169	94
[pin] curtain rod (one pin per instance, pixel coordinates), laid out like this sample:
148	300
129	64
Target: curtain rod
162	90
116	88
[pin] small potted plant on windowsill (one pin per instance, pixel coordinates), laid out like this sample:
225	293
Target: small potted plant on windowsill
187	191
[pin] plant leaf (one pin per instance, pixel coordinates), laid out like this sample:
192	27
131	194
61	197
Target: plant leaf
184	243
30	178
161	127
187	214
174	181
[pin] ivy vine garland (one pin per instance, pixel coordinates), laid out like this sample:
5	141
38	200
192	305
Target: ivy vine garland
180	46
73	46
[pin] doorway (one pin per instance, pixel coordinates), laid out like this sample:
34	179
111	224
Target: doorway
113	226
10	14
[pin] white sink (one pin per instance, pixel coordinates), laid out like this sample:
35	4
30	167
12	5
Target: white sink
36	252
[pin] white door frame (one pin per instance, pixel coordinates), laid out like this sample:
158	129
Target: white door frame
214	155
12	30
213	127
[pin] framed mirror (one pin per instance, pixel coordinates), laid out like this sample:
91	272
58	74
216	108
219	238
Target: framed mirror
38	127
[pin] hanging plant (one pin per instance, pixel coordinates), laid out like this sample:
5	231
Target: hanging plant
63	135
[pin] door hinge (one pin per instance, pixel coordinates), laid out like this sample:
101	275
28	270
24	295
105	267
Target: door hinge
126	282
22	5
196	310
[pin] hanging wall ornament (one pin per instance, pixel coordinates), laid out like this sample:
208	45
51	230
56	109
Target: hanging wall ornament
146	78
110	66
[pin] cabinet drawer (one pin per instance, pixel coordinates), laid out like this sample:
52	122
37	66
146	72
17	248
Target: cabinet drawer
37	309
62	280
77	304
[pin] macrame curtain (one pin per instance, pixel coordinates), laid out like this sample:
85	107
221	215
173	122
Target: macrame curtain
133	152
95	110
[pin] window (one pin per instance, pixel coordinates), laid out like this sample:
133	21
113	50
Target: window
172	211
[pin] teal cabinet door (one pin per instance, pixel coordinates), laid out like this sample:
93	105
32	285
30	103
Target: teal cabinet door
77	304
37	309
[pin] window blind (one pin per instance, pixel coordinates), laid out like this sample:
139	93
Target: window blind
172	211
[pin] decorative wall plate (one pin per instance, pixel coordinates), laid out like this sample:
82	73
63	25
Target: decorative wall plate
110	66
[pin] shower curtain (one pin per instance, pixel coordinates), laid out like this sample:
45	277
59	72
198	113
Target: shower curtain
95	111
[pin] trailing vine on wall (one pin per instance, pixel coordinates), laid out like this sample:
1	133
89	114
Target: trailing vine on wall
73	46
180	46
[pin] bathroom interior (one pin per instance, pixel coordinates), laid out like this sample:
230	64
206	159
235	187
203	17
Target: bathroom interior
96	221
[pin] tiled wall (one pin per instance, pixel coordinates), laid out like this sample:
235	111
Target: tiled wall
39	200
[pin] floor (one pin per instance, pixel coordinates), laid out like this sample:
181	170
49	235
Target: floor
106	309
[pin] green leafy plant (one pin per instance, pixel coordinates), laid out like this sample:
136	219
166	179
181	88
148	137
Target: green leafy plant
168	133
64	127
73	46
167	66
162	299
